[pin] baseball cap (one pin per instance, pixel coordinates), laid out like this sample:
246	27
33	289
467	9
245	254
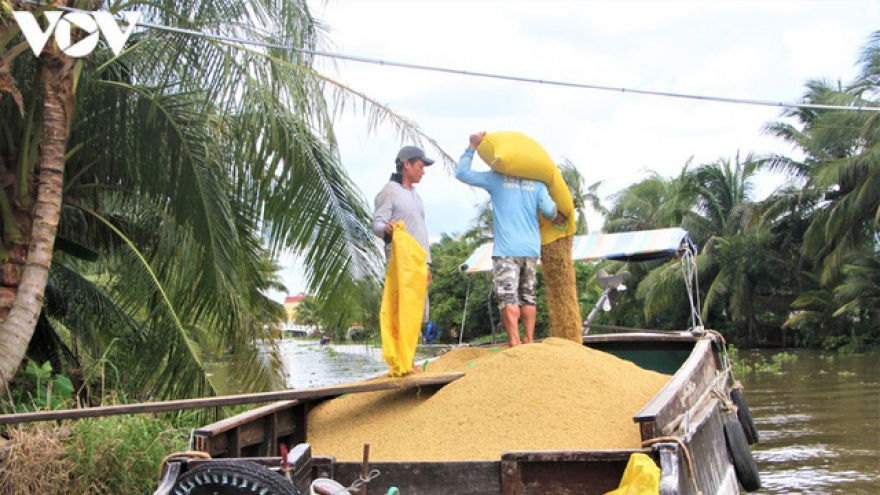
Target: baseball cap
412	153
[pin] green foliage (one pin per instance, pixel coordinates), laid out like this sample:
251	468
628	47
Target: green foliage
451	289
122	454
740	366
758	364
38	388
192	164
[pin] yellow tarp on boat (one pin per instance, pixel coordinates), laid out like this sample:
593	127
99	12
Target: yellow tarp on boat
641	477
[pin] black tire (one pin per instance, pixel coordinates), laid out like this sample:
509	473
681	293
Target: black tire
744	414
233	478
743	462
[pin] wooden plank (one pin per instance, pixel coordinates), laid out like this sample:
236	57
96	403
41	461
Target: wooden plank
682	391
518	473
270	436
234	443
411	381
300	459
424	478
274	424
564	472
301	422
511	482
239	419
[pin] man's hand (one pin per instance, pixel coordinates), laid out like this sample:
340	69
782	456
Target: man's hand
389	227
476	139
560	218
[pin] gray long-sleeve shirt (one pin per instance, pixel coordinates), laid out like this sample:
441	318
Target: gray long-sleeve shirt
395	202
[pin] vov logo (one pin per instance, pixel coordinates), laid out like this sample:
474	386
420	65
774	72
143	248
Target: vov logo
60	23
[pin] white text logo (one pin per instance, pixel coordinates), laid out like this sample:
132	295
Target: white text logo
61	24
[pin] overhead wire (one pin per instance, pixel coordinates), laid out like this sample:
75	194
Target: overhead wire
548	82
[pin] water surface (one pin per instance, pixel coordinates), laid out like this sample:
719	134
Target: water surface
819	424
308	364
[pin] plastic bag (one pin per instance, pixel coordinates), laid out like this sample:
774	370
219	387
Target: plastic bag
641	477
516	154
403	301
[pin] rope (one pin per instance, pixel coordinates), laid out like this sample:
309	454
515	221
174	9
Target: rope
723	342
687	456
862	107
356	484
726	404
691	281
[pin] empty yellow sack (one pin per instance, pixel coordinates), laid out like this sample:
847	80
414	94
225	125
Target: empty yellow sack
641	477
516	154
403	301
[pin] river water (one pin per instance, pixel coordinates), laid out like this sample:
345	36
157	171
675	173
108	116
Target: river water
819	423
308	364
818	417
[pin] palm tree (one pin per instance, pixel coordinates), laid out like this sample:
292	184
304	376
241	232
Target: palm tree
733	250
174	163
653	203
581	194
481	230
712	202
308	313
859	295
841	164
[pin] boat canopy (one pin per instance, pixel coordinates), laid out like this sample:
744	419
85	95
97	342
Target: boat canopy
642	245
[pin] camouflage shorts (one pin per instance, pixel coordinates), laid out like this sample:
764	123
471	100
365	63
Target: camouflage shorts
515	280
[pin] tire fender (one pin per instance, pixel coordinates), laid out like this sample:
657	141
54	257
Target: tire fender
743	463
744	414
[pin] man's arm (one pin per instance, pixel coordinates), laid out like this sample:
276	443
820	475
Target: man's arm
547	206
545	202
382	213
464	172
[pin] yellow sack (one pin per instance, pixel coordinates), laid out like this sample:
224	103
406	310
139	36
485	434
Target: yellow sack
641	477
516	154
403	301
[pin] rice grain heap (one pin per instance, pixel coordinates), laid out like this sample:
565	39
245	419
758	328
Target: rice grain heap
555	395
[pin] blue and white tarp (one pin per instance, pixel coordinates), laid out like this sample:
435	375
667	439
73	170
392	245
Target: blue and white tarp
641	245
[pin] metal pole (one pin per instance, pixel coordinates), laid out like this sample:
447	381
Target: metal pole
489	306
464	314
595	310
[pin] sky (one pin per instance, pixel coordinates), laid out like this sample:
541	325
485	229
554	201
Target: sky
746	49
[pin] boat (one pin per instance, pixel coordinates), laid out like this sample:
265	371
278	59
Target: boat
293	331
696	431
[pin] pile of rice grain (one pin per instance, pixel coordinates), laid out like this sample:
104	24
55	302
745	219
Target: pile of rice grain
555	395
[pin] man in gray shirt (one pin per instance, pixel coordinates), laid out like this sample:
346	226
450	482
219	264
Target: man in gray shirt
399	201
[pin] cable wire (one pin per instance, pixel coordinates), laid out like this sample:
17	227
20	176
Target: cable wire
548	82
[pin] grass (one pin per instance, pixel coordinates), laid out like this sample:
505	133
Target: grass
117	455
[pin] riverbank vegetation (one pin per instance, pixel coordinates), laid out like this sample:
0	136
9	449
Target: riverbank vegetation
119	455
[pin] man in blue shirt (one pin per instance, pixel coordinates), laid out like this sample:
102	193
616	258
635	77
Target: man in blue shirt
515	206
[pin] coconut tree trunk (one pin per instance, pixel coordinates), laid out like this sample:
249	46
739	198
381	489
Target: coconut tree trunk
25	270
562	303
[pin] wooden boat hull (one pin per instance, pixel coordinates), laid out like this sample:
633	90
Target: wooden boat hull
682	429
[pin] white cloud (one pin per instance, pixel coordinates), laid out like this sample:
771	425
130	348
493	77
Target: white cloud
763	50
